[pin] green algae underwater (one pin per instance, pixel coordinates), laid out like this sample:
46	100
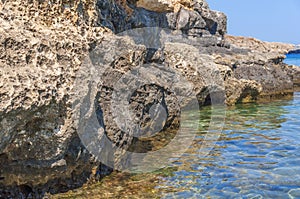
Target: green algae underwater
256	156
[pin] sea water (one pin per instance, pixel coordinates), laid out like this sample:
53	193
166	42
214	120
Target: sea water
293	59
257	155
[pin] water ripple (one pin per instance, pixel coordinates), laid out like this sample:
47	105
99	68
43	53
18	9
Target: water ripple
257	156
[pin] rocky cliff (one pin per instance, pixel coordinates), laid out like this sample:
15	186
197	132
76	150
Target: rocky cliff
52	52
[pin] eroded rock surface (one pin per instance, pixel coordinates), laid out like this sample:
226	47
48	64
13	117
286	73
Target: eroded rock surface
169	5
40	150
196	20
45	71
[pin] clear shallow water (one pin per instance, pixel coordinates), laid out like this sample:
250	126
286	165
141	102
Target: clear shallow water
257	156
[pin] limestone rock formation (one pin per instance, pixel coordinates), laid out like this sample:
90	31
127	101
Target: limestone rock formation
169	5
195	20
265	59
260	46
49	53
39	148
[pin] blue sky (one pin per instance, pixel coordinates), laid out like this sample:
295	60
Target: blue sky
268	20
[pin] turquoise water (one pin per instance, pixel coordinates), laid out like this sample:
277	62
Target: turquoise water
293	59
256	156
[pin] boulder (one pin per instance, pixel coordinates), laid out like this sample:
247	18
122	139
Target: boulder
163	5
62	65
192	17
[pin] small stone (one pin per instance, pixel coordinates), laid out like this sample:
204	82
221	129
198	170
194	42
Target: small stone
59	163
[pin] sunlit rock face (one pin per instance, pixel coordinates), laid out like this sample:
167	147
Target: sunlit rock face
163	5
41	50
170	5
193	18
45	45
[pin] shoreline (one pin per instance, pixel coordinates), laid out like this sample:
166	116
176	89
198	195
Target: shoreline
49	74
137	185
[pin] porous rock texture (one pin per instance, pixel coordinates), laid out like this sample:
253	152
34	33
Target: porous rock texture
41	49
45	47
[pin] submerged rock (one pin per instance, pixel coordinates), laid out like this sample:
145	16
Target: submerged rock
51	54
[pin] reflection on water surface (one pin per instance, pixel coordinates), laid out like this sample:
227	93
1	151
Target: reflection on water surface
256	156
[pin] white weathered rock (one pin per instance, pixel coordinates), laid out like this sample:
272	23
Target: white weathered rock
42	46
163	5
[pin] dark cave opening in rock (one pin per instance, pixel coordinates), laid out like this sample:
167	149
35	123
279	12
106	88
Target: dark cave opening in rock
207	101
